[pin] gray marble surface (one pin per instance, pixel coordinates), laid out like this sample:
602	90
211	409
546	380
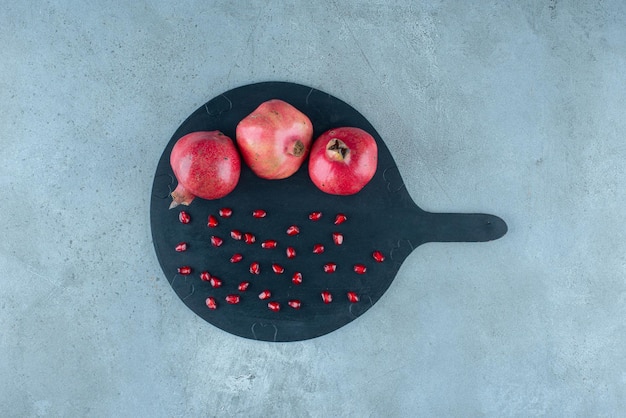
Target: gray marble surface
511	108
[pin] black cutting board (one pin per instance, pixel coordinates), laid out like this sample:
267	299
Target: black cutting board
381	217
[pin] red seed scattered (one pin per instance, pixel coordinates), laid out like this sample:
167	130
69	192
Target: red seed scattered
236	235
236	258
315	216
270	243
248	238
278	269
184	217
243	286
337	238
293	230
184	270
232	299
330	267
340	218
226	212
259	213
216	241
213	222
296	278
181	247
255	268
294	303
273	306
360	268
318	249
211	303
378	256
266	294
205	276
215	282
291	252
353	297
327	297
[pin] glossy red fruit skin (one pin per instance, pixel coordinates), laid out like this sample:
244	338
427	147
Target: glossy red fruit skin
293	230
353	297
266	294
273	306
236	258
243	286
330	267
233	299
337	238
182	246
255	268
211	303
295	303
249	238
212	222
205	276
275	139
315	216
259	213
184	217
318	249
206	164
216	241
291	252
340	218
278	269
226	212
327	297
296	278
342	174
236	235
215	282
360	268
378	256
269	243
184	270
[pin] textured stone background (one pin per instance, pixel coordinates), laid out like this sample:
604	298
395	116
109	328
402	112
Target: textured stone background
511	108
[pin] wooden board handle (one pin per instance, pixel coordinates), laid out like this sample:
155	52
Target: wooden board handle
461	227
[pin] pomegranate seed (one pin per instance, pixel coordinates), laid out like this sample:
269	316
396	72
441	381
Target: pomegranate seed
291	252
270	243
273	306
318	249
327	297
236	258
278	269
232	299
378	256
293	230
259	213
216	241
340	218
337	238
205	276
248	238
315	216
330	267
360	268
266	294
294	303
255	268
181	247
184	217
211	303
184	270
353	297
296	278
236	235
212	223
243	286
226	212
215	282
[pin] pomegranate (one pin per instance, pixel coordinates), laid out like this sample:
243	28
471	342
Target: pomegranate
343	160
206	164
274	139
